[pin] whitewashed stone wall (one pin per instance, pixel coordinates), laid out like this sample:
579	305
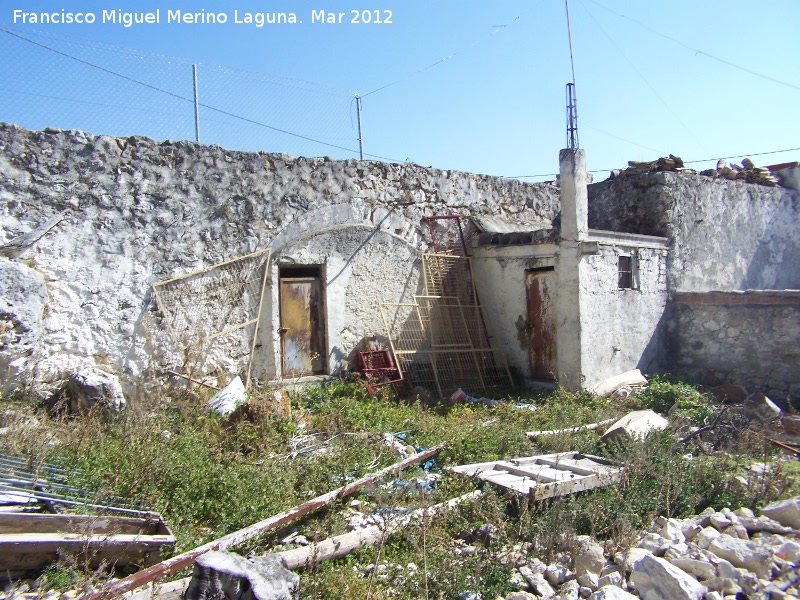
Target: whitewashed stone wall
621	329
725	235
746	338
139	211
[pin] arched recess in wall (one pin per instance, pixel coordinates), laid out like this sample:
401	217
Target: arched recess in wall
361	262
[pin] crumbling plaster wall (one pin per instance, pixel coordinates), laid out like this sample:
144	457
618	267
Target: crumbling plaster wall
621	329
725	235
140	211
500	274
748	339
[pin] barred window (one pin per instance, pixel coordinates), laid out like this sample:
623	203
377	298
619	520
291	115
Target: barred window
625	267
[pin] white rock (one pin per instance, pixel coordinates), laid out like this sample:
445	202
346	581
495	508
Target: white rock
785	512
728	587
540	586
726	570
656	579
521	596
789	551
744	512
705	537
556	574
741	553
614	578
612	593
654	543
673	531
589	557
589	580
720	521
713	596
585	592
633	555
697	568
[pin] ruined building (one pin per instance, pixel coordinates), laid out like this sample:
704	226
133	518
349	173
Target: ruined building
662	271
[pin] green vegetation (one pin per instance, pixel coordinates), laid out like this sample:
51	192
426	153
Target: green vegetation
209	476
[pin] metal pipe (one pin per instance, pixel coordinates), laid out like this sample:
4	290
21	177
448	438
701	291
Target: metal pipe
196	106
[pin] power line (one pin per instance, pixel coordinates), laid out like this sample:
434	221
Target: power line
184	98
686	162
644	79
497	29
696	51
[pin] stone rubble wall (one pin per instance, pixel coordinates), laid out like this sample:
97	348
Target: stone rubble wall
140	211
748	338
725	235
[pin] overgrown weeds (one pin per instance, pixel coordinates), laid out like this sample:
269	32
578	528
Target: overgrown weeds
209	475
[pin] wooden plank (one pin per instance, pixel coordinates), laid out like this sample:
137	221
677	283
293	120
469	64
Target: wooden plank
176	563
28	523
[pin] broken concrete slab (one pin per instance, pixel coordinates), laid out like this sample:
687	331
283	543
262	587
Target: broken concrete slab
636	424
228	576
630	379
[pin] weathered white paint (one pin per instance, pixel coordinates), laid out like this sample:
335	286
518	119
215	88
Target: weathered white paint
141	211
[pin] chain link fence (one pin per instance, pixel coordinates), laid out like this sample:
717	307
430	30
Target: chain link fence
49	80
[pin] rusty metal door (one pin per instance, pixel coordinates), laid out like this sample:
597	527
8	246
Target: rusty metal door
541	323
302	326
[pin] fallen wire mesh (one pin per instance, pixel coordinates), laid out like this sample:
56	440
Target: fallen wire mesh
47	487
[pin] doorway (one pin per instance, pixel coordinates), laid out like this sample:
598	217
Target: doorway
541	294
302	320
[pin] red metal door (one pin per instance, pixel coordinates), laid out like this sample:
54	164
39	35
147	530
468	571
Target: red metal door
302	326
541	323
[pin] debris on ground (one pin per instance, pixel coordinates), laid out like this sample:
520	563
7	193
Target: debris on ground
85	388
461	396
229	575
176	563
549	432
547	475
625	383
40	521
636	425
228	399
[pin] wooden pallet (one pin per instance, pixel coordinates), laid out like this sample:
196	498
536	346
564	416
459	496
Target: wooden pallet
547	475
29	540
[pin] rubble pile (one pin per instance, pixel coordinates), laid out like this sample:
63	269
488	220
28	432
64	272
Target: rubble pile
668	163
747	171
712	556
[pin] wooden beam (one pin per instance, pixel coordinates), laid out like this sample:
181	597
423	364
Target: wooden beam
186	559
342	545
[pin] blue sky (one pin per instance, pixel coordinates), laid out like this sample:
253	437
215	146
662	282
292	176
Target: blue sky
473	86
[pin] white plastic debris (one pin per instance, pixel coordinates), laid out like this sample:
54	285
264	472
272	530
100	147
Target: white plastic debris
225	401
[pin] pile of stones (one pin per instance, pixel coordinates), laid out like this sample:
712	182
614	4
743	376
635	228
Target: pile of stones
723	555
747	171
665	163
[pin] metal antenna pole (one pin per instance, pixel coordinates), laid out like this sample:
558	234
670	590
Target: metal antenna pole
196	106
358	112
572	117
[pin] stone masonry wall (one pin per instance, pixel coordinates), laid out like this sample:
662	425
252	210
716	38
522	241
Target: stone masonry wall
727	235
747	338
139	211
